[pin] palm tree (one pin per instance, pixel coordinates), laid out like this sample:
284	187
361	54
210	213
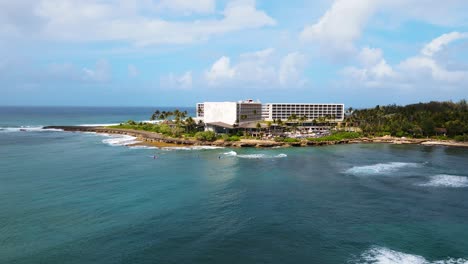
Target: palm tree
268	123
190	124
155	115
163	115
302	119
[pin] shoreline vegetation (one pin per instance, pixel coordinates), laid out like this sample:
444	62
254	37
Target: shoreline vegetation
159	140
433	123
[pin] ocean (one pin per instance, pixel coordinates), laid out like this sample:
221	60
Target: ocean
87	198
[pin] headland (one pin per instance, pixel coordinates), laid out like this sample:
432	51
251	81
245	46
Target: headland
160	140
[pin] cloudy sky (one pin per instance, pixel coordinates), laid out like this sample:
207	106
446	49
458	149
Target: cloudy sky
178	52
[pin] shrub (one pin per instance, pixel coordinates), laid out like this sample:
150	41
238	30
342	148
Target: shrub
278	139
233	138
291	140
337	136
206	136
461	138
165	129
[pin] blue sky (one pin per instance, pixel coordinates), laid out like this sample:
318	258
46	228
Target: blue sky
179	52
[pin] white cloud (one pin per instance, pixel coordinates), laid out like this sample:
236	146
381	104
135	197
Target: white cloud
136	22
341	25
220	70
258	69
439	43
188	7
424	67
101	72
19	17
172	81
374	69
132	70
291	69
420	71
344	22
369	56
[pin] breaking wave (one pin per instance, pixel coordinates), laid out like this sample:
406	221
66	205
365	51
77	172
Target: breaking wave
254	156
119	140
26	129
444	180
380	168
142	147
382	255
192	148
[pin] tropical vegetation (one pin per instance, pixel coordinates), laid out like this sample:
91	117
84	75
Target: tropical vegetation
416	120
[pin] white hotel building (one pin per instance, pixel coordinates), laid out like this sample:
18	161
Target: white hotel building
243	112
275	111
229	113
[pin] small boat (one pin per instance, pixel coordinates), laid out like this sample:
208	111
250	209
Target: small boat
23	130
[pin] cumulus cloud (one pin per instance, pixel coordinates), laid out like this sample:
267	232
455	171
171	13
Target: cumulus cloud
421	70
220	70
19	17
341	25
337	31
136	22
291	69
258	69
187	7
439	43
173	81
374	68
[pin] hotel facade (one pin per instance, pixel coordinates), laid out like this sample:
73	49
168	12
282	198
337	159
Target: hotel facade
283	111
249	111
229	113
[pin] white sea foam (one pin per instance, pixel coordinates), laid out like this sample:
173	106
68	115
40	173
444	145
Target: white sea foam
27	129
444	180
142	147
254	156
230	153
119	140
380	168
192	148
382	255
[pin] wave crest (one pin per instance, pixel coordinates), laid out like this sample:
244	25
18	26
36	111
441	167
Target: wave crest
192	148
382	255
445	180
120	140
27	129
254	156
380	168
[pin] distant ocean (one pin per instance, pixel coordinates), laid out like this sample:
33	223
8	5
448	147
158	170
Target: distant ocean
87	198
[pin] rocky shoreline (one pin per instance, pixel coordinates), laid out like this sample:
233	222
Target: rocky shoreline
155	139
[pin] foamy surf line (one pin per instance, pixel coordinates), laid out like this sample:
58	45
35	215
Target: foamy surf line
192	148
383	255
381	168
447	181
119	140
28	129
254	156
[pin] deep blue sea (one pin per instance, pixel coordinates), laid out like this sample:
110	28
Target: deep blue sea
86	198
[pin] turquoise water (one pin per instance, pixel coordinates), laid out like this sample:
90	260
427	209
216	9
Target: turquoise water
86	198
